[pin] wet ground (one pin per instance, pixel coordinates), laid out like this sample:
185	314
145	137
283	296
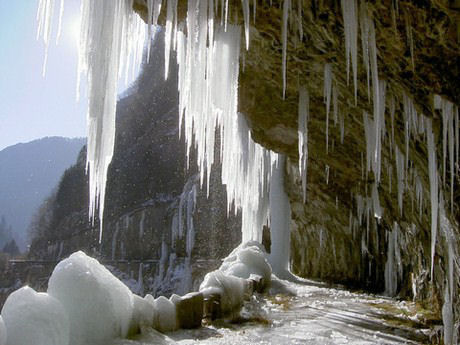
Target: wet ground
310	314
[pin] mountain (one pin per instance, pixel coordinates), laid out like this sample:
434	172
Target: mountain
28	174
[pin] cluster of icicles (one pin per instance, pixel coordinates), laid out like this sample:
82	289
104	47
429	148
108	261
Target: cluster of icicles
208	60
112	38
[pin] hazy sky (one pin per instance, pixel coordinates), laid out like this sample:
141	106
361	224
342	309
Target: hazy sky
33	106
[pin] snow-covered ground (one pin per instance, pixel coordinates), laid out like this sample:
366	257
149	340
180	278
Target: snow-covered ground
315	315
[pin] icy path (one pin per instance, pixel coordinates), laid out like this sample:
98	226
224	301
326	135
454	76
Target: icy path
317	315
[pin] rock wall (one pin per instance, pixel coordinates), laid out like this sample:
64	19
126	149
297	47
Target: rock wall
341	234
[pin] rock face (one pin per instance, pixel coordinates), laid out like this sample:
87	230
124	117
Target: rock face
340	233
158	223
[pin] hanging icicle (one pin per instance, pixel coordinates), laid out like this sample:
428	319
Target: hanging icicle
303	114
327	93
284	35
433	174
350	25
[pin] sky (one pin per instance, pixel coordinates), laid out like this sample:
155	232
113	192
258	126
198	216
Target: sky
33	106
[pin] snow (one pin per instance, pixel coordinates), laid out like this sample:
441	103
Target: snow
33	318
99	306
2	332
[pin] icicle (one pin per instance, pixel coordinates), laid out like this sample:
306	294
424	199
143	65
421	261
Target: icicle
153	11
445	125
284	33
350	24
393	266
303	114
335	104
45	16
410	40
400	172
299	19
369	132
376	202
433	174
327	92
379	124
170	20
111	26
364	24
457	138
280	219
342	128
61	14
327	174
419	194
141	225
449	110
392	116
245	5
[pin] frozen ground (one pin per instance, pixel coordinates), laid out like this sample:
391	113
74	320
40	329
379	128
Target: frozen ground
315	315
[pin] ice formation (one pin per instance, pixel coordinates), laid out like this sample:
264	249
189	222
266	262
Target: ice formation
304	109
230	281
247	259
99	306
400	173
393	266
350	26
231	289
33	318
2	332
433	175
164	318
327	93
284	34
280	220
450	289
118	34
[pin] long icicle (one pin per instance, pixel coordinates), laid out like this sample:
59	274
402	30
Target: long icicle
284	33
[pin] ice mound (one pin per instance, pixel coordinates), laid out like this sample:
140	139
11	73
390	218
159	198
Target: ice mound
2	332
33	318
230	281
247	259
231	289
99	306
